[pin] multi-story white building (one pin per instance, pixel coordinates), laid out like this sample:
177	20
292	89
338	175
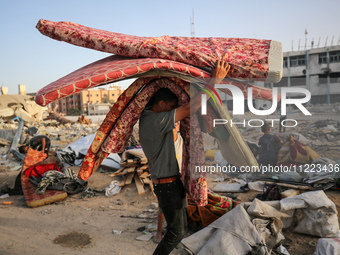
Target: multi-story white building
317	70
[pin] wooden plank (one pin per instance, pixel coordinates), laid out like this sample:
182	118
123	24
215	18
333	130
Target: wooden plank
144	167
145	175
147	181
123	181
151	187
131	169
125	171
118	172
129	178
287	185
128	165
4	142
139	185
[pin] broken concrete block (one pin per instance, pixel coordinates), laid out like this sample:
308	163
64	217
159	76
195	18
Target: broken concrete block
332	128
6	112
33	108
21	113
330	137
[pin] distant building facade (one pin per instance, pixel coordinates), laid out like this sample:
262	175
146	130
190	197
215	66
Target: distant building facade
317	70
89	102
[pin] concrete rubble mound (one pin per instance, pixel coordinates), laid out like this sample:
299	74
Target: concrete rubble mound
22	106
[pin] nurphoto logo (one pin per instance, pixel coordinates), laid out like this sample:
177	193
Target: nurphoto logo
238	105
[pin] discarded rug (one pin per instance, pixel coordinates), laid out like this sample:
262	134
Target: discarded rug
33	199
216	207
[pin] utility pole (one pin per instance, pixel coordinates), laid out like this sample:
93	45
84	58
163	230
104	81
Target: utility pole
328	79
192	24
307	73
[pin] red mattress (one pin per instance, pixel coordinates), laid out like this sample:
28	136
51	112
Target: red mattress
116	68
249	58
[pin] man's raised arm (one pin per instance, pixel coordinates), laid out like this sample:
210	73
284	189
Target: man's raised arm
218	74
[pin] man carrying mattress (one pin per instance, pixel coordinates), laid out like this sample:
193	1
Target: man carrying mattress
155	131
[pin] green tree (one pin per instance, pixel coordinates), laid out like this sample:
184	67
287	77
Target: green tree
74	112
105	99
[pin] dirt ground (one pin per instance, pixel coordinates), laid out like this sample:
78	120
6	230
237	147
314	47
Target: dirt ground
92	225
76	225
102	225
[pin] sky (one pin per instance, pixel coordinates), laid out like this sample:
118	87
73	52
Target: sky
30	58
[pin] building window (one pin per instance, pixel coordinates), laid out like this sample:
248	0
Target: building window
293	81
297	61
113	95
285	63
334	56
97	95
322	58
91	95
333	78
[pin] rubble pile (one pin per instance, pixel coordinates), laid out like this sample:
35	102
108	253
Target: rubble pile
60	135
21	106
322	108
319	135
323	132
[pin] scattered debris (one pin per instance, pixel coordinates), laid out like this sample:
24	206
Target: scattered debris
59	117
83	120
112	189
8	202
117	232
145	237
